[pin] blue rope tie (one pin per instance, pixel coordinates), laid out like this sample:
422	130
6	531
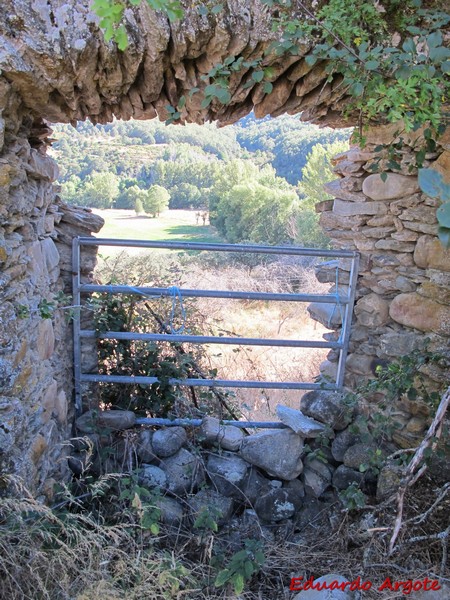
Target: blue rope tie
175	294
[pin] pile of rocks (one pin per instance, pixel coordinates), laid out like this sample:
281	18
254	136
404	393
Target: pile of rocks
271	476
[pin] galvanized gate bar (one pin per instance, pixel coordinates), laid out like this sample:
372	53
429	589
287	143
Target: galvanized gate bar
76	276
159	422
229	383
246	248
347	320
345	302
205	339
156	292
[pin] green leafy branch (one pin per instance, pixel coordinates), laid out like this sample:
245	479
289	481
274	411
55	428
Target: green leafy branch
242	566
111	14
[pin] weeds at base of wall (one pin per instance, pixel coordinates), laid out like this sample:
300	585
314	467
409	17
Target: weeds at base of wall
99	548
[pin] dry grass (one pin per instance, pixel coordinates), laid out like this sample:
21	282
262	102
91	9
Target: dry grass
82	554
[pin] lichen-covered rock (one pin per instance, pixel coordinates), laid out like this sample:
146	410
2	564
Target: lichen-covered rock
113	420
295	420
276	451
226	436
184	472
166	442
389	480
327	407
210	503
316	476
418	312
228	473
152	476
277	504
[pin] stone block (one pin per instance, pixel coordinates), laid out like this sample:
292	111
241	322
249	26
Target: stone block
167	442
399	344
171	511
45	339
61	407
327	407
348	209
418	312
49	401
145	447
211	503
152	476
50	254
114	420
277	505
338	190
435	292
423	214
421	227
227	436
326	313
394	186
429	253
316	476
41	166
278	452
184	472
394	245
298	422
359	454
228	472
343	477
372	310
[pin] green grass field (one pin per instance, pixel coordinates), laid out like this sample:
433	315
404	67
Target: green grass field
171	225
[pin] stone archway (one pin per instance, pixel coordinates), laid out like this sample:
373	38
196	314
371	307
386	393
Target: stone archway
56	67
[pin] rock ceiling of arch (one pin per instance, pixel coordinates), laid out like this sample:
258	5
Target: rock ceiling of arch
56	58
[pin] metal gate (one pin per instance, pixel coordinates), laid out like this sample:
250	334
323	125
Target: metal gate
344	302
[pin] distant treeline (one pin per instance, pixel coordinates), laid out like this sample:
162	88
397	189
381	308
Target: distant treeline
247	175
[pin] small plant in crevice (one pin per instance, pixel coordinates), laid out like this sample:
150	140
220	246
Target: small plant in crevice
46	308
405	378
352	497
143	502
242	566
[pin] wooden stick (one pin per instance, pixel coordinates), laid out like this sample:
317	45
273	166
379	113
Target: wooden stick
417	462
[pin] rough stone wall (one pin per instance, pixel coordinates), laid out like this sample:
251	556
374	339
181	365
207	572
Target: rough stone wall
56	56
36	231
403	293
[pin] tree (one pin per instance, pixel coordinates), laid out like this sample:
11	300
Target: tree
155	199
254	212
70	190
100	190
317	171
